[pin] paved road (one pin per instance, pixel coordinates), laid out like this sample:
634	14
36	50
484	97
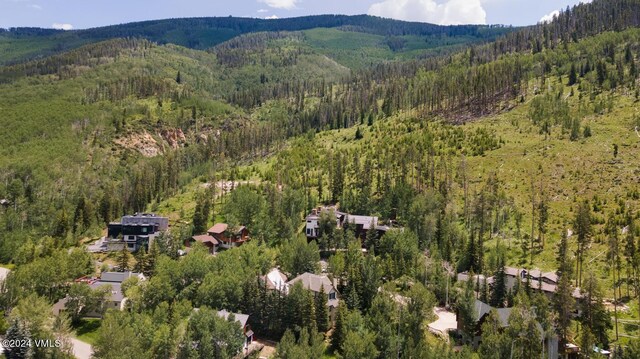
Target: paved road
81	350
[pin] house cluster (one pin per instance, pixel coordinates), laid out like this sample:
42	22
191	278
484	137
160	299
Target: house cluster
276	280
113	280
221	235
545	282
360	224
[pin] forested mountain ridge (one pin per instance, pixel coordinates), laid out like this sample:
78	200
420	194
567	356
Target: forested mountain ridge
486	157
19	44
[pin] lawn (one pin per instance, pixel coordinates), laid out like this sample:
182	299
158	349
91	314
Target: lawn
87	330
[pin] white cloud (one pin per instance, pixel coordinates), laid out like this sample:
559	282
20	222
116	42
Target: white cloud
262	10
280	4
272	17
550	16
35	6
445	12
59	26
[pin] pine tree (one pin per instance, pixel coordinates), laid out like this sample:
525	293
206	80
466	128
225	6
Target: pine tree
630	252
371	237
499	293
199	218
339	330
613	256
152	259
141	260
494	343
573	77
319	187
575	129
467	312
352	300
595	315
582	229
62	225
18	332
123	259
359	134
322	314
563	300
484	291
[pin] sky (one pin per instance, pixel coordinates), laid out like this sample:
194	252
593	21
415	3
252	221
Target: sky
79	14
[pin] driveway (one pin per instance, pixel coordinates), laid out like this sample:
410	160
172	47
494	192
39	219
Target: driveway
446	321
81	350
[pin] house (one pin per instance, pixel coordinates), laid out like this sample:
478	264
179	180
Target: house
135	231
228	237
482	311
316	283
275	280
360	224
545	282
112	279
207	240
242	319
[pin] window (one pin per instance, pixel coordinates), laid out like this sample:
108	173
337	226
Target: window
332	296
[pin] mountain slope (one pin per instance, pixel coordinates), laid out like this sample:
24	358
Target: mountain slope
201	33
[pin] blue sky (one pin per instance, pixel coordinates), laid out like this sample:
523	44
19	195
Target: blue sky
78	14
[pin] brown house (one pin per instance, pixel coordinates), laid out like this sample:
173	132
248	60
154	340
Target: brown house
228	237
221	236
207	240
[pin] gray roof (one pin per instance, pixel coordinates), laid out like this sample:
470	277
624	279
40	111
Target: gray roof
239	317
483	309
117	277
478	278
116	290
314	282
365	221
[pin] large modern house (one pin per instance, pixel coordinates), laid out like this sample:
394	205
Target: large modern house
135	231
361	224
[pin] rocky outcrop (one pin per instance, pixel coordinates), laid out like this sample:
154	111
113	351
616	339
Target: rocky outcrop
174	137
141	142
